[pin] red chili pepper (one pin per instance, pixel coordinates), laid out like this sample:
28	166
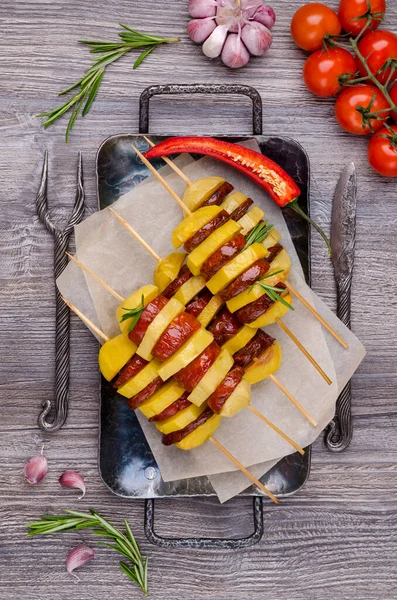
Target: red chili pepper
281	187
265	172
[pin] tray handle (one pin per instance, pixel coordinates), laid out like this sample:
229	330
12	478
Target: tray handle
222	543
200	88
173	90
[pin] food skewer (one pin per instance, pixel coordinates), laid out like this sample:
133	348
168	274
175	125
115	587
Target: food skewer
215	442
278	321
285	328
291	288
251	408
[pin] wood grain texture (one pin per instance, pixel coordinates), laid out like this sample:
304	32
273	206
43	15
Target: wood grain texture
338	535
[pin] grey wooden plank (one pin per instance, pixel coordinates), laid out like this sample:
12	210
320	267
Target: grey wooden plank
338	535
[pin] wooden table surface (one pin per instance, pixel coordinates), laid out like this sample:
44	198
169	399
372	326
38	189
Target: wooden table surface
338	535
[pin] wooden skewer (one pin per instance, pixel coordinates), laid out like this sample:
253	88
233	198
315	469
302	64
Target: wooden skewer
86	320
293	400
276	429
95	277
316	315
171	164
303	350
135	234
288	285
244	470
163	182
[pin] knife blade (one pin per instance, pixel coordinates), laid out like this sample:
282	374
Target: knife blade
343	243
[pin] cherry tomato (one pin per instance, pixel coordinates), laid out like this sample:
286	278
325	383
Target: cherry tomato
365	98
393	96
349	10
311	23
377	47
382	151
323	68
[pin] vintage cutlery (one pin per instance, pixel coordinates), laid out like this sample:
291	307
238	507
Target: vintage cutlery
343	241
62	349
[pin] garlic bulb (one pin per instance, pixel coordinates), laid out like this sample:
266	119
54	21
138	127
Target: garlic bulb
233	29
256	37
234	53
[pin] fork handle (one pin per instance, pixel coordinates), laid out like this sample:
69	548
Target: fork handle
62	347
340	430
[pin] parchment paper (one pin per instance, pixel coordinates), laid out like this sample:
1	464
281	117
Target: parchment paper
114	255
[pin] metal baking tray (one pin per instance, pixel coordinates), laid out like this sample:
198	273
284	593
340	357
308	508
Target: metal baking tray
126	463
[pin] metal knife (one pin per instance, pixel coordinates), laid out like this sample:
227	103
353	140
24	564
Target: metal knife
343	242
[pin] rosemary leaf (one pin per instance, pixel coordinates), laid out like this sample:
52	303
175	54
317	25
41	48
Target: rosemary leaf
275	294
272	274
129	573
133	314
258	234
93	92
142	57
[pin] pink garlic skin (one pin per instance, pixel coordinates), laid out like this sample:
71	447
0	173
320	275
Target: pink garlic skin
78	557
257	38
74	480
234	53
200	29
250	7
200	9
265	15
36	469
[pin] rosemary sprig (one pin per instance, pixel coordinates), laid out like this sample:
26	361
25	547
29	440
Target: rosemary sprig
258	234
124	543
274	293
87	87
134	314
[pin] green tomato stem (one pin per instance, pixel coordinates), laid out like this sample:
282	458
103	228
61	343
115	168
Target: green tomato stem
371	76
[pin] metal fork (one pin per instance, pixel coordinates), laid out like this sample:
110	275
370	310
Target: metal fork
62	348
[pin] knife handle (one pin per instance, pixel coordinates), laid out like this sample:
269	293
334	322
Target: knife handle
340	430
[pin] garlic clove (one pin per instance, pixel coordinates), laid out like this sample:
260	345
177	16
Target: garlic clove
250	7
78	557
36	469
74	480
256	37
234	53
200	9
200	29
265	15
212	47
